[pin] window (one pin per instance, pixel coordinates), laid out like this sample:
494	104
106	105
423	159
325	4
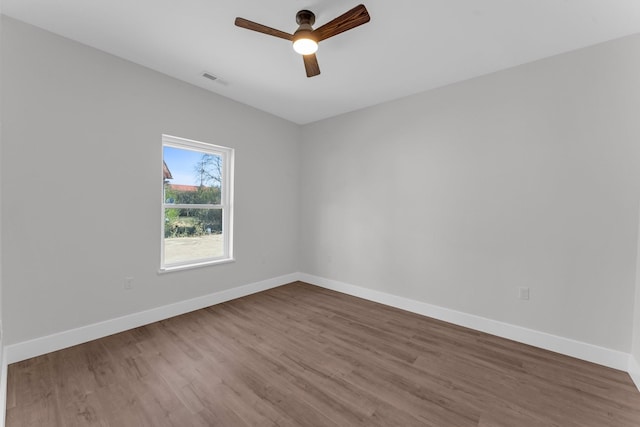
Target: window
197	201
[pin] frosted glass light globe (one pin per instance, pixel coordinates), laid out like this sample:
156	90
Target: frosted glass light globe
305	46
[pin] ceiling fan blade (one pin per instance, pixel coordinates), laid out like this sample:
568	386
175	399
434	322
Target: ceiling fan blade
254	26
311	65
351	19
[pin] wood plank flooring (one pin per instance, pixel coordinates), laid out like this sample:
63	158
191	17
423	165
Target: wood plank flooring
299	355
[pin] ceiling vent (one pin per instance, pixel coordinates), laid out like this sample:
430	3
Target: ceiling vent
209	76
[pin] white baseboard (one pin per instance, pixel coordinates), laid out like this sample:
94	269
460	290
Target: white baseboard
3	386
38	346
580	350
634	371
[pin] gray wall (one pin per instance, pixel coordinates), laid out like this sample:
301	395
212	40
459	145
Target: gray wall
1	317
635	342
458	196
81	195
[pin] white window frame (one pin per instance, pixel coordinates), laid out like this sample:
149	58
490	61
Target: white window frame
226	202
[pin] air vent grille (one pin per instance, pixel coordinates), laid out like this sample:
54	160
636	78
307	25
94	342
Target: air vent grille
209	76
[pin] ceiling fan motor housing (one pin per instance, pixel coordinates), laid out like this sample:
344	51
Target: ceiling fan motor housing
305	20
305	17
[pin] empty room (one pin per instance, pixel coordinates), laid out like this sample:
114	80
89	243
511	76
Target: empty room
320	213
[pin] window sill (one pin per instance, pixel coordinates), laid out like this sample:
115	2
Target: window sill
195	265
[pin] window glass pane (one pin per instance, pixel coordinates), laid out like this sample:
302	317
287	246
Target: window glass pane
192	234
196	204
191	177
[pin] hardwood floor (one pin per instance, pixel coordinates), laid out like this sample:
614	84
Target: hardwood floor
299	355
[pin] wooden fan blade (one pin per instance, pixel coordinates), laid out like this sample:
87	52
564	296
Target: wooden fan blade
311	65
254	26
351	19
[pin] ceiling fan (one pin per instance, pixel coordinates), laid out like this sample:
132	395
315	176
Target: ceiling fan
305	39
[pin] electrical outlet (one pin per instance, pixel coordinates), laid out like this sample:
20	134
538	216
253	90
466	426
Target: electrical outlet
523	293
128	283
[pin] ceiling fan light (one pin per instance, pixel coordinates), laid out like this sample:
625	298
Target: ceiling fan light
305	46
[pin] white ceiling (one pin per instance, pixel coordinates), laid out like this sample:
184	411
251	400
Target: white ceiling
408	47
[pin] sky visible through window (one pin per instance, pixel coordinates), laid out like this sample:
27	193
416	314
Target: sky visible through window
181	164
